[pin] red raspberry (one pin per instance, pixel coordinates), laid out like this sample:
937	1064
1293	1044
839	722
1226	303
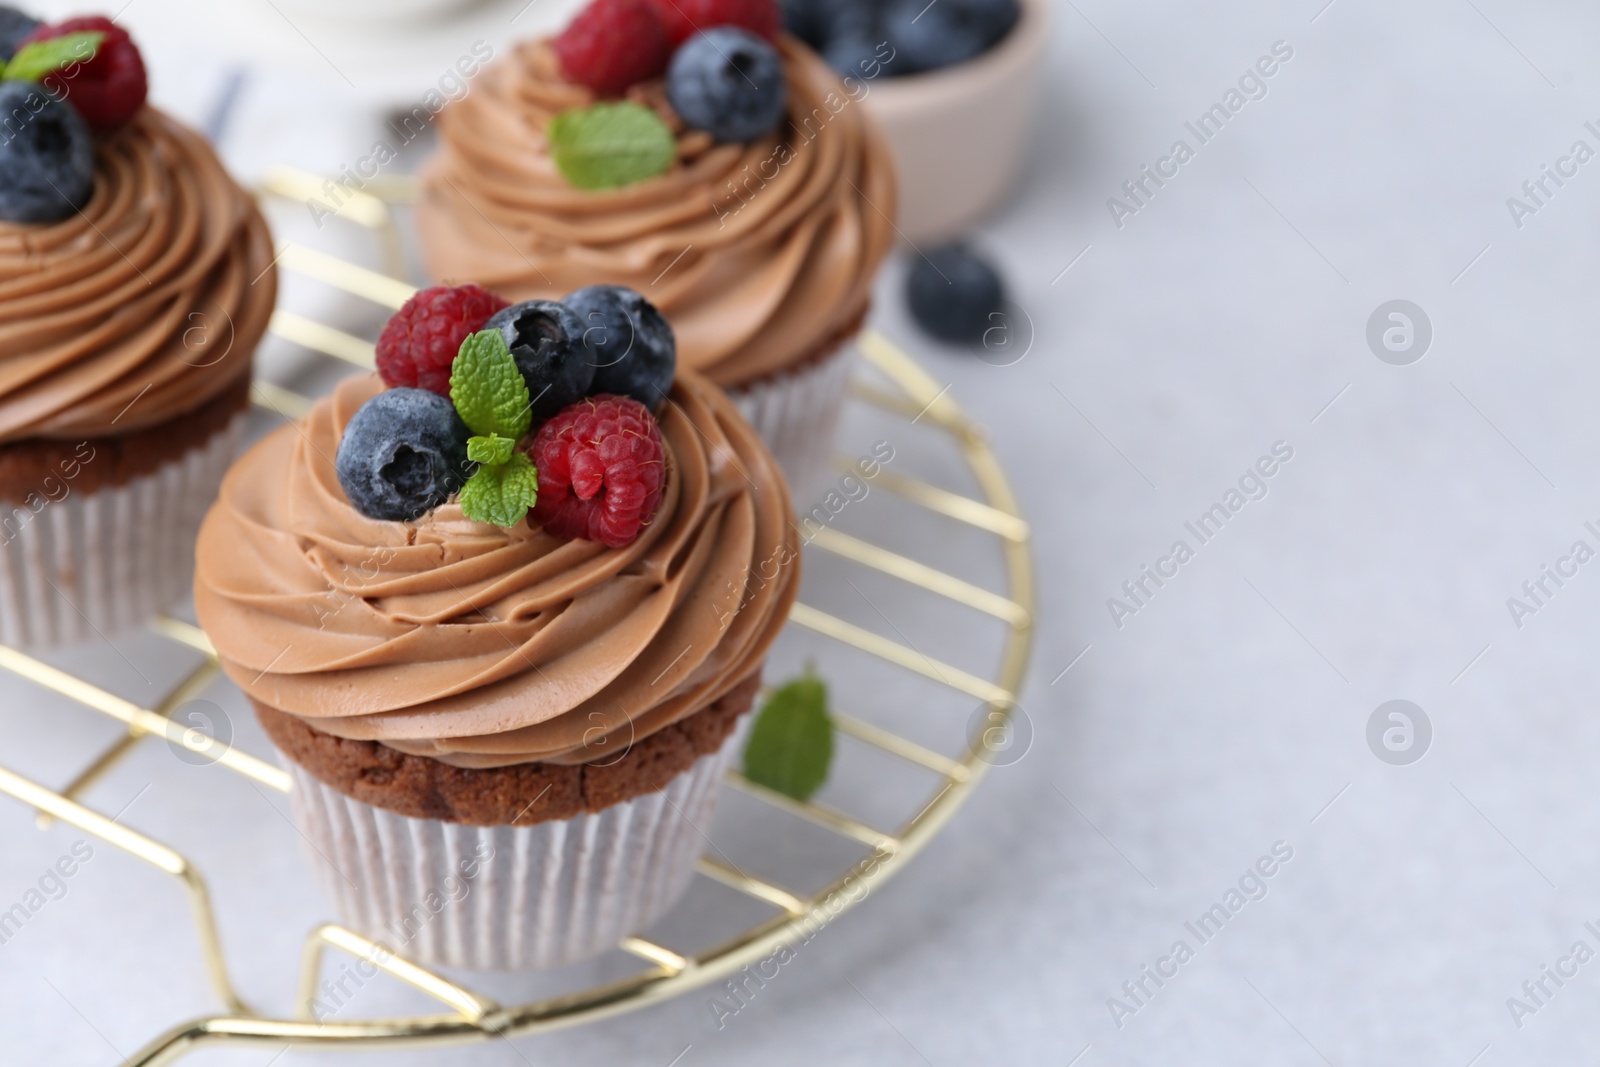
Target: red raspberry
420	343
109	89
613	44
602	468
684	17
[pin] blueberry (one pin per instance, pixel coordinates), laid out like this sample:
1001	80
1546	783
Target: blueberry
629	343
854	55
930	37
46	156
546	340
805	19
809	20
14	27
854	45
403	454
954	295
729	82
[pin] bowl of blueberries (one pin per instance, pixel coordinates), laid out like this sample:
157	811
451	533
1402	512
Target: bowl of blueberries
953	83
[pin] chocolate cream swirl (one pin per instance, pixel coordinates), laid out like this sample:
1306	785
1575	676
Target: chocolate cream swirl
761	255
484	646
142	306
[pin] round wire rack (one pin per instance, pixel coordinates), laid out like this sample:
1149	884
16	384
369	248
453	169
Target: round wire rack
901	390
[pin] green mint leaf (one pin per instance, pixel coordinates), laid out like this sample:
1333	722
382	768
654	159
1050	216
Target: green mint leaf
35	61
494	449
611	145
791	744
502	494
487	388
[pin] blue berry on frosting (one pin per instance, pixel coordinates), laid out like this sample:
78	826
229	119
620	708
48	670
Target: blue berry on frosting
403	454
15	27
730	83
47	161
545	339
627	341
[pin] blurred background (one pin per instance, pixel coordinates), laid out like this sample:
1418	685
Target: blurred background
1338	286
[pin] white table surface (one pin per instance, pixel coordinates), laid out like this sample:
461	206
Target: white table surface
1230	713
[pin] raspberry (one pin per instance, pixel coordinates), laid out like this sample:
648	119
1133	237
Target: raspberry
684	17
420	343
109	89
602	468
613	44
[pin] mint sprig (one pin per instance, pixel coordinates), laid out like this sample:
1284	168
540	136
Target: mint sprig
491	397
34	62
487	388
493	449
611	145
791	744
501	493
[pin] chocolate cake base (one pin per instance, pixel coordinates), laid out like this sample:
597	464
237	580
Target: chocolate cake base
424	788
33	467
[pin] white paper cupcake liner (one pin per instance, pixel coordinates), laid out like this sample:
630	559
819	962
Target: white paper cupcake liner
91	564
508	898
797	415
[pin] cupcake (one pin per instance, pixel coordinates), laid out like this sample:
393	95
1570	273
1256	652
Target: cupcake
729	176
501	648
136	279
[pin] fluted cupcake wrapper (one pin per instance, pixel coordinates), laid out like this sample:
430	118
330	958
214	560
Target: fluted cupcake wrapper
508	898
797	415
92	564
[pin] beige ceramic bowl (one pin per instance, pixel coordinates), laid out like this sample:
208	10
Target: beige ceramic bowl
960	135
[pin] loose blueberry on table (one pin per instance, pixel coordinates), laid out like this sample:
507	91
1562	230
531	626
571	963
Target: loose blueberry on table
955	295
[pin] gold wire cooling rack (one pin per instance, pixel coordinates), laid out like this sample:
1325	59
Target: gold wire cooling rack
914	397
